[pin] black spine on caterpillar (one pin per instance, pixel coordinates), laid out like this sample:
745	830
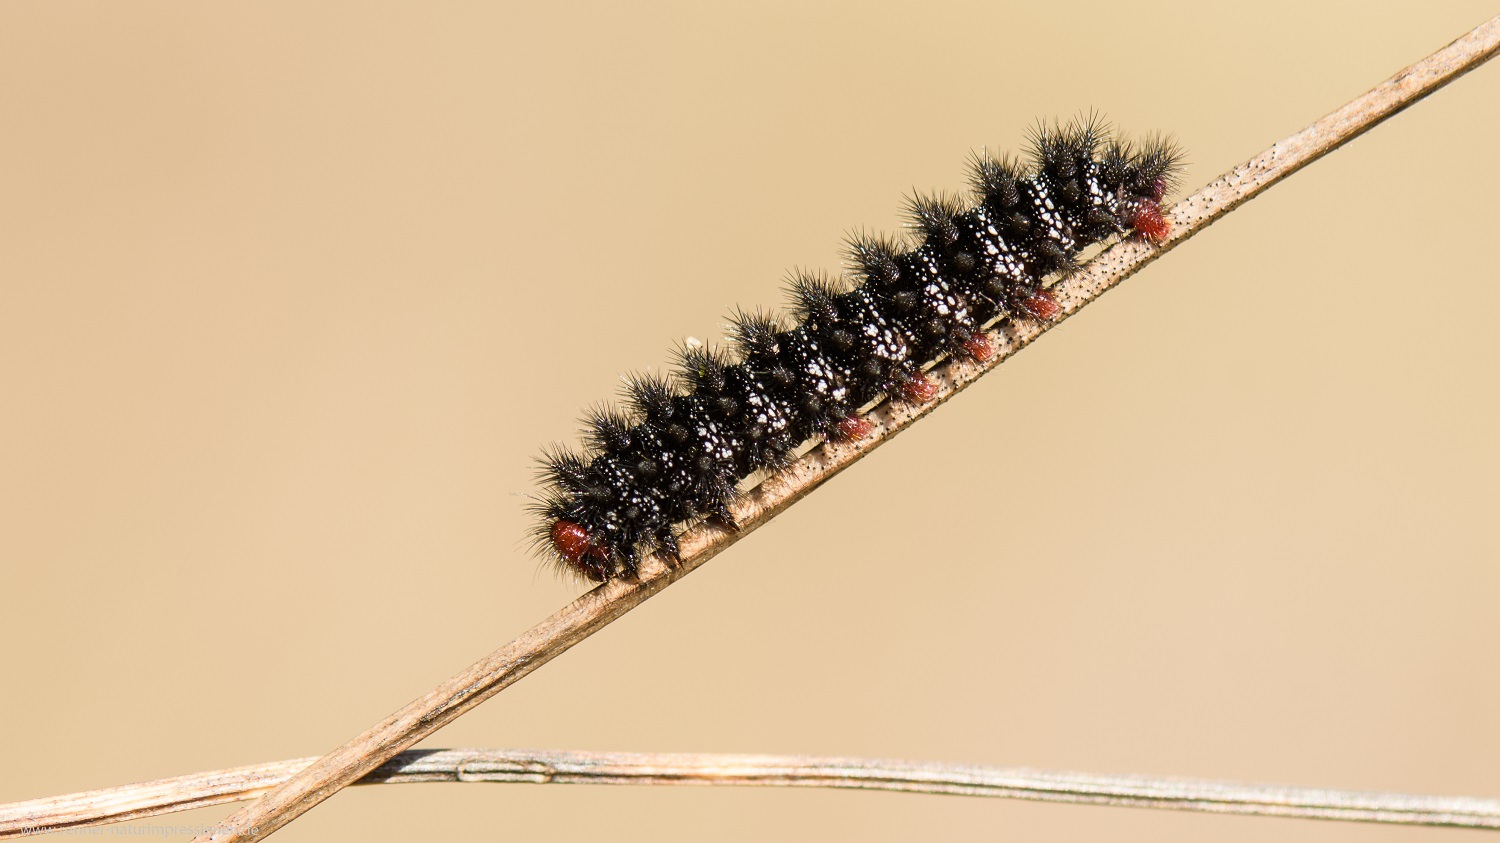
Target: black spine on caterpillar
685	444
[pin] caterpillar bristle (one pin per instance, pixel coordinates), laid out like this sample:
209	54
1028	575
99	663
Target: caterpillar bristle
684	442
699	367
753	335
994	180
814	297
562	467
606	429
649	396
872	257
935	216
1160	159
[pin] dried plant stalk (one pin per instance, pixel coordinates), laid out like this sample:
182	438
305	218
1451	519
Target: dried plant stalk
198	790
585	616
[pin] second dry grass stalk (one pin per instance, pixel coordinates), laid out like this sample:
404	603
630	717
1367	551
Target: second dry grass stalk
183	793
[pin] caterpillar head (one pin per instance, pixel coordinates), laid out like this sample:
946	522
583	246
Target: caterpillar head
579	551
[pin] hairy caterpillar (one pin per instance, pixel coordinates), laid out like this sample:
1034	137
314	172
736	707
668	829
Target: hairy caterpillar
686	442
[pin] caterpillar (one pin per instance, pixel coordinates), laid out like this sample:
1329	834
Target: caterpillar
685	442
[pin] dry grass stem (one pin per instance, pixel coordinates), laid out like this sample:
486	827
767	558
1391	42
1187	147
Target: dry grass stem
430	712
551	767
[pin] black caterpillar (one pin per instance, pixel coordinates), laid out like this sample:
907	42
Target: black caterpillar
681	451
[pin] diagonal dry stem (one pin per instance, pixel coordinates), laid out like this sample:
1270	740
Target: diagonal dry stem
149	799
487	677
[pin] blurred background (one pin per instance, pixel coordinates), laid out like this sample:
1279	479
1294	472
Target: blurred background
292	294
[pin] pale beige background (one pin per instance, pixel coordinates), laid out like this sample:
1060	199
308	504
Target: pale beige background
291	294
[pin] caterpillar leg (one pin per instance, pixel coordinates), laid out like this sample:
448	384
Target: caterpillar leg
979	348
1041	305
670	550
724	517
851	429
917	389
